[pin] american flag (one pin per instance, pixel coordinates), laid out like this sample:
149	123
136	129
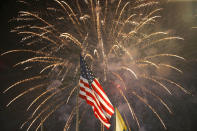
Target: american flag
93	93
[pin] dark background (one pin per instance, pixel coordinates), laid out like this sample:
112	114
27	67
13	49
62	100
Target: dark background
176	16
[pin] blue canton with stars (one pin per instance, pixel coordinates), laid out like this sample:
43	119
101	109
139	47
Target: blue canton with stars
85	71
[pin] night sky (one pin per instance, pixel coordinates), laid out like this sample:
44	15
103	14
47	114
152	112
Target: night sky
179	17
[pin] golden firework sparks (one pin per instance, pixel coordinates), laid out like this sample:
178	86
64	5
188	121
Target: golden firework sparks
116	38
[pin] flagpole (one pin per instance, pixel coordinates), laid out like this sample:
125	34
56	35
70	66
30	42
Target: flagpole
77	110
42	127
102	127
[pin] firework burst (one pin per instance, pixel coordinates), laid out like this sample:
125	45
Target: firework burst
120	41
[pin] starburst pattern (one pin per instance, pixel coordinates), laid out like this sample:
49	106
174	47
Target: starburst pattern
120	41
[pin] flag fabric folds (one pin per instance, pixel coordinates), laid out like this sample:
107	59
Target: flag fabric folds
93	93
120	124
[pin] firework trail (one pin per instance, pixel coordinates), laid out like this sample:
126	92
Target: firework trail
118	39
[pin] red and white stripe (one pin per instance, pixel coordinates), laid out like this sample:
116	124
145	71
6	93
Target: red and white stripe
97	98
108	109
